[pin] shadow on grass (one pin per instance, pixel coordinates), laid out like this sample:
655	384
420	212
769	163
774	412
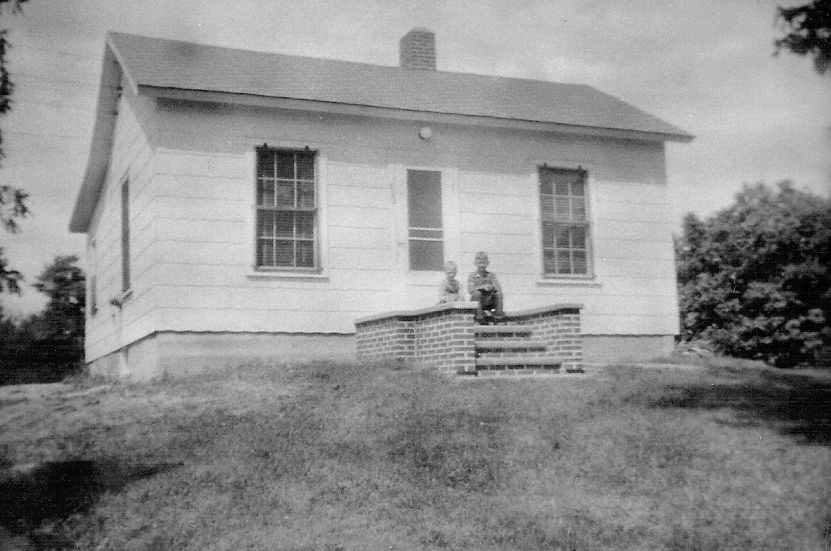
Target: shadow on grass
792	403
55	490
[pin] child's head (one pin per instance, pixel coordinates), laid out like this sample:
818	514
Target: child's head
450	269
481	260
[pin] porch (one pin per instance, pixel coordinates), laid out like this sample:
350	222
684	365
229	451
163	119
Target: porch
446	337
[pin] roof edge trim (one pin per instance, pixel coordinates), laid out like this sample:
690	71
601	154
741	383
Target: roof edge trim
102	136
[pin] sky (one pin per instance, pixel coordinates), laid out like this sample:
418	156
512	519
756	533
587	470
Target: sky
706	66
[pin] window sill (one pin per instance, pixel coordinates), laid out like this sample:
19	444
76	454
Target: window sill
315	276
121	299
568	282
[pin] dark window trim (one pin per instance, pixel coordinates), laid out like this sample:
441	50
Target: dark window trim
570	222
314	210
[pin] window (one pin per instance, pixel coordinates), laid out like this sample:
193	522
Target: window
424	213
92	293
286	209
125	236
565	225
93	296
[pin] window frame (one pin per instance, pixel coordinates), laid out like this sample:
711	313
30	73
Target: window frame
317	238
585	224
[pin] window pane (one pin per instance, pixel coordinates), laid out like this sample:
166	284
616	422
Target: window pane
546	178
285	164
285	224
265	193
305	254
305	224
265	252
578	237
563	263
265	224
566	177
578	208
424	198
285	194
426	255
305	195
284	253
549	258
547	202
562	237
305	166
548	234
562	210
579	263
265	162
561	188
577	188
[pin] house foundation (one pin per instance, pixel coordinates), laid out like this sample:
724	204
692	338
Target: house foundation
180	354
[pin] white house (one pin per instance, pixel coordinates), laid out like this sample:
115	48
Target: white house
241	203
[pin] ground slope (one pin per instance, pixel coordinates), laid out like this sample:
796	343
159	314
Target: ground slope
334	457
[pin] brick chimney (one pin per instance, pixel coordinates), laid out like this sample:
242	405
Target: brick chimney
417	50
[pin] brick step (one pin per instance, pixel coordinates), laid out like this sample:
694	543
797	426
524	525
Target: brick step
521	372
500	331
517	362
507	373
514	345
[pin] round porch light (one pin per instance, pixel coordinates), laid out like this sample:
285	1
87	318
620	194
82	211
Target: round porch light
425	132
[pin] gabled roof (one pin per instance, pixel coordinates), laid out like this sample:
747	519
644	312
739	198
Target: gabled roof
170	68
169	64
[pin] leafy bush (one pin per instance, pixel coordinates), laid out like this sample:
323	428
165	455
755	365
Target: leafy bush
754	278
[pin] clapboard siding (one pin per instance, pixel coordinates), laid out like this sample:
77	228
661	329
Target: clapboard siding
492	203
361	217
356	197
111	327
253	298
195	218
646	250
297	321
183	186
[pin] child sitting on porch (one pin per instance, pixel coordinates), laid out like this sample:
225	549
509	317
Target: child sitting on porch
450	286
484	288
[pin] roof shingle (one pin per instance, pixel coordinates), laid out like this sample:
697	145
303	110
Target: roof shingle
170	64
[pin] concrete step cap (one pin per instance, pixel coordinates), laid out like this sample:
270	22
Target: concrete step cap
507	363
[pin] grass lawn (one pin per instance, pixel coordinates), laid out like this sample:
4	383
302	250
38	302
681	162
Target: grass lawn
330	457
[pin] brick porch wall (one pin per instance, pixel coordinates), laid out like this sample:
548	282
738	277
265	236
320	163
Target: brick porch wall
558	327
442	336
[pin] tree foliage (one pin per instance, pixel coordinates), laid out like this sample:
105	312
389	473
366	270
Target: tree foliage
754	278
47	346
808	30
12	199
64	283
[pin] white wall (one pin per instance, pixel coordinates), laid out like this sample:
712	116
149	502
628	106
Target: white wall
201	196
110	327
